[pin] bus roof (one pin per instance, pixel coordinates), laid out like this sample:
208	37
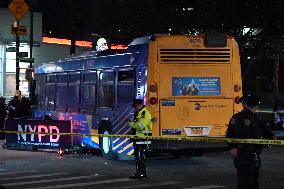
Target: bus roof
136	54
93	62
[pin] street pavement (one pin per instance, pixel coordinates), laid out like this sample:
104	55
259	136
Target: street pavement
48	170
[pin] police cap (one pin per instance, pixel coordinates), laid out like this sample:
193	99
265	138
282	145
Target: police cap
137	102
250	100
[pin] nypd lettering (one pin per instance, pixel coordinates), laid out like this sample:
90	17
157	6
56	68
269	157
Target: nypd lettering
43	134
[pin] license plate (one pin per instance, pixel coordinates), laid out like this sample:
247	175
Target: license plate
197	130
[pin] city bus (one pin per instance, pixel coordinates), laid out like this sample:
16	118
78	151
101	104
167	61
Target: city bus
191	84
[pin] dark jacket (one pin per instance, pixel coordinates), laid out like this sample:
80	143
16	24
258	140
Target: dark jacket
12	106
23	110
248	125
19	109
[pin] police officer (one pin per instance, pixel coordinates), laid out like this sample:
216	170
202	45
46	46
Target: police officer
142	125
246	124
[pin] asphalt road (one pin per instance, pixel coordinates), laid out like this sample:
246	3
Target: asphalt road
42	170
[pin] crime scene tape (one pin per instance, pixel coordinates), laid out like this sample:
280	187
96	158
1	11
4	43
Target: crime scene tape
179	138
265	111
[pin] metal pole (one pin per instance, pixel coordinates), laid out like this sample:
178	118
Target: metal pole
3	68
31	83
31	35
73	39
276	61
276	77
17	57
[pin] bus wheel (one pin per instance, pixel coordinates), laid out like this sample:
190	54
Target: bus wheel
106	142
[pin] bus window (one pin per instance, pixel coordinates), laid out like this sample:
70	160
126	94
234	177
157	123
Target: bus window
74	92
106	77
106	93
62	78
90	77
40	91
125	87
126	76
38	94
89	91
49	98
61	91
50	91
74	78
50	78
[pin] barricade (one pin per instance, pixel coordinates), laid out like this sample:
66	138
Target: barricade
41	134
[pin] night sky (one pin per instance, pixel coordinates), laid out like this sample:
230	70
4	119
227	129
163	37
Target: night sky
126	19
123	20
120	21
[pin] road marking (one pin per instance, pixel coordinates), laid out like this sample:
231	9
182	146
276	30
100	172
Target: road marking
34	176
205	187
49	180
17	172
82	184
2	169
147	185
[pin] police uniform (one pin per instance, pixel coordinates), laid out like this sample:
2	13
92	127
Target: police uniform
247	125
142	126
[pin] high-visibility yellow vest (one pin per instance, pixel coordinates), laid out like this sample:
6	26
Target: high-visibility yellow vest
142	123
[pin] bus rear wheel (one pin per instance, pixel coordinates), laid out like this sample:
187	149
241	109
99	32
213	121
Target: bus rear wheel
106	142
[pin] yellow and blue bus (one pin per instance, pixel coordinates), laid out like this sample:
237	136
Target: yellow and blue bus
191	84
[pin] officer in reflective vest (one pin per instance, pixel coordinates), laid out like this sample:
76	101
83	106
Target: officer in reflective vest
142	126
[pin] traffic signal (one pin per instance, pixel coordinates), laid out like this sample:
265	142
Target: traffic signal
30	75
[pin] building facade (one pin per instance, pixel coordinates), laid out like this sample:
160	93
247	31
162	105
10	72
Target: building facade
42	52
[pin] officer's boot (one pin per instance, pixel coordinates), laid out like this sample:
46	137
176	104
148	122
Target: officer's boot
143	169
137	174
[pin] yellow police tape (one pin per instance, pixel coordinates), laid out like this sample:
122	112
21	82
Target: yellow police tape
179	138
